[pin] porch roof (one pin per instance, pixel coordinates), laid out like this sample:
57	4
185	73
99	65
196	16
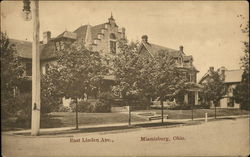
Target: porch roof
191	86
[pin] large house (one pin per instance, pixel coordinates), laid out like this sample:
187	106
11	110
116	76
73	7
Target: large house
182	60
231	78
102	38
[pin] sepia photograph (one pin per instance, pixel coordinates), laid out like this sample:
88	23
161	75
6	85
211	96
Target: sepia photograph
124	78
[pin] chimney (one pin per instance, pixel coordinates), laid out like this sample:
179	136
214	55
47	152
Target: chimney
222	72
46	37
123	30
211	69
144	39
181	48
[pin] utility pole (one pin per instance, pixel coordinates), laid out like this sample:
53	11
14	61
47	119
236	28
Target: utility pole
36	81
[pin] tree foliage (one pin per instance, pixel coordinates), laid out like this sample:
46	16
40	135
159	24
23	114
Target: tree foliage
11	75
214	88
139	75
168	79
79	71
241	92
132	72
51	96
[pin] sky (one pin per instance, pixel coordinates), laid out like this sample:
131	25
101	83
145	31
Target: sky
208	30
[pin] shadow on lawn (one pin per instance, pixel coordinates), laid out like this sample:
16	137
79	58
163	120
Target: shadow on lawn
51	121
104	129
14	123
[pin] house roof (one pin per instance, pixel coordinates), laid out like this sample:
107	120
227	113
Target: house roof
95	30
47	51
81	32
154	49
67	34
232	76
187	58
24	49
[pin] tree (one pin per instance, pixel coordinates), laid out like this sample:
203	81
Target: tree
168	79
78	72
51	96
11	75
214	89
241	91
141	76
132	74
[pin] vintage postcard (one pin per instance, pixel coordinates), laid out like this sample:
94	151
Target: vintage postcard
124	78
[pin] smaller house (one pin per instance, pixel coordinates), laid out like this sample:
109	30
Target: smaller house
231	79
183	61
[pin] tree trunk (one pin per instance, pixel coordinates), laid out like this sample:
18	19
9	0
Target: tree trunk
129	115
76	114
215	111
192	111
162	111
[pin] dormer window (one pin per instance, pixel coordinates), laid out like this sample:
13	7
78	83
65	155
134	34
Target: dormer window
59	45
103	31
62	45
99	36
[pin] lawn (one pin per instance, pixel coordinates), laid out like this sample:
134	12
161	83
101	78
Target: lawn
200	113
65	119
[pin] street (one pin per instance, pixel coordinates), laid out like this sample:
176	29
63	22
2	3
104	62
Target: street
220	138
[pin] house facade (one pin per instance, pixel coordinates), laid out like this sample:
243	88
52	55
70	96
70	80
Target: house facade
183	61
102	38
231	78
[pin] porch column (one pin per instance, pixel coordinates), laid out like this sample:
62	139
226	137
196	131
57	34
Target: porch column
196	97
186	99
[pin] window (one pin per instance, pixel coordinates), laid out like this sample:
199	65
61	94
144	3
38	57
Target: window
230	102
61	45
112	43
28	69
113	46
106	26
112	36
57	46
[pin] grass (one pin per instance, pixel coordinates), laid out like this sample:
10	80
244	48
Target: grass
65	119
114	129
200	113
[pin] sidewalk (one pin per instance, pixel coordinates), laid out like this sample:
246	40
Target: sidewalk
65	129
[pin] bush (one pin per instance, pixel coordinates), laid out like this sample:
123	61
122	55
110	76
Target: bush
189	107
202	106
106	96
83	106
22	105
182	107
64	109
102	107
